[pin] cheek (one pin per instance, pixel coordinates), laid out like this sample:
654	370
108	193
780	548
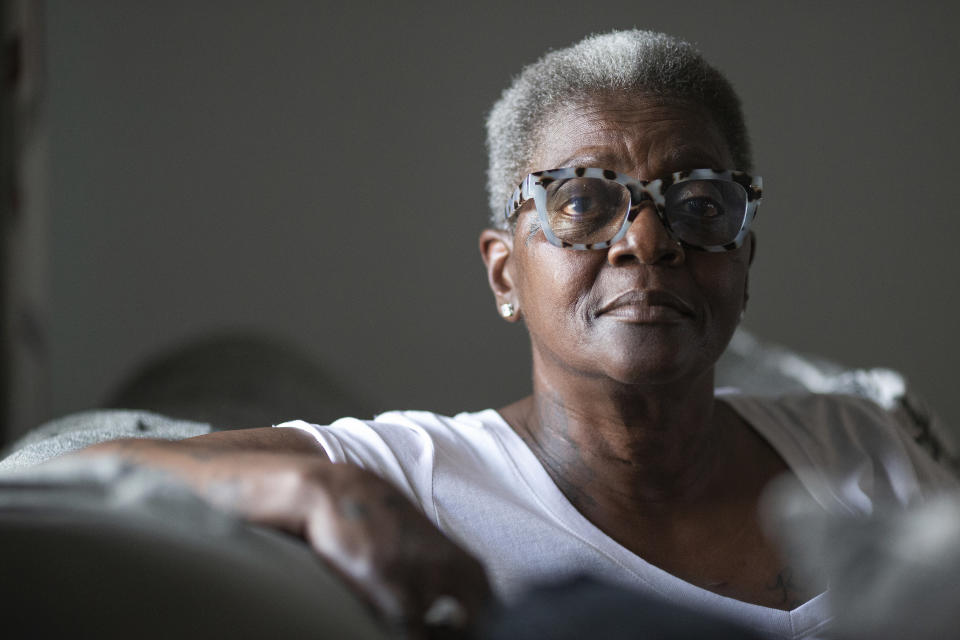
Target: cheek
556	284
722	280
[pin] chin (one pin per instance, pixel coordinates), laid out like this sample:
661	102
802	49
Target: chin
653	377
660	362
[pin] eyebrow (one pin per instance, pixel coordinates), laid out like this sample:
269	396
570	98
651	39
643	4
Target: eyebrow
681	157
587	160
689	156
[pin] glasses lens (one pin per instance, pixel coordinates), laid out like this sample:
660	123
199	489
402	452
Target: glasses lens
706	212
586	210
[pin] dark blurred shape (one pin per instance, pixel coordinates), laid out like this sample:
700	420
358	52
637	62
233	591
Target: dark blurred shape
95	548
24	375
236	380
586	608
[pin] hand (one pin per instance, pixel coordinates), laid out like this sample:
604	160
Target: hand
389	551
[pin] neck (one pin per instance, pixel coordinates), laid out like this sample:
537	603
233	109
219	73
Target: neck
650	449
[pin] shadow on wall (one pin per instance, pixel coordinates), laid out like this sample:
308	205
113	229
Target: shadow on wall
234	380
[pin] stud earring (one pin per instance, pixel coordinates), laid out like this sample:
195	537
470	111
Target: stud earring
507	310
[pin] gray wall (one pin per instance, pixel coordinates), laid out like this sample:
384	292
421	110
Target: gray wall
316	170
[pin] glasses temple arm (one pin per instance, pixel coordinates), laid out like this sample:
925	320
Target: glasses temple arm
519	196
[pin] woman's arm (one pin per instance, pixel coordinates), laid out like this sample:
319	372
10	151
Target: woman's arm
363	527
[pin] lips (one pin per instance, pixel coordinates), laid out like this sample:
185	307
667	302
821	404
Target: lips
647	306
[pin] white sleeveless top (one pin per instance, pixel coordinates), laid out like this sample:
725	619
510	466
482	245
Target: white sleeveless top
481	485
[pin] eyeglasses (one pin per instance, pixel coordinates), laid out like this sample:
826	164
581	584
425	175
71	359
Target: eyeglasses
584	208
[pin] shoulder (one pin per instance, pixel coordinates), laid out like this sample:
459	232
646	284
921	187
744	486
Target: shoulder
848	440
406	447
400	431
832	419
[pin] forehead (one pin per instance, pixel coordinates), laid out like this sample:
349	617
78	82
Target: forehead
643	137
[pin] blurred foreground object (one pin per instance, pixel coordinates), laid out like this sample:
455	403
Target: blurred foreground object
892	574
79	430
23	218
96	548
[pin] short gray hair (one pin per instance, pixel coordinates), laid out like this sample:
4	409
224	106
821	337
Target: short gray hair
643	62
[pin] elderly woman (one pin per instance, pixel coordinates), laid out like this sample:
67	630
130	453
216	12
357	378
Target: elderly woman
622	200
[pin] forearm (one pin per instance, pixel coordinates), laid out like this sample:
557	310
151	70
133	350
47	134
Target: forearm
262	440
259	473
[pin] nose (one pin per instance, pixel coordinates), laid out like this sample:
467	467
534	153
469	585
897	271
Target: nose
647	242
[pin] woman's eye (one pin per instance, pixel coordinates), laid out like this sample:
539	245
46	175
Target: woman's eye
701	207
578	206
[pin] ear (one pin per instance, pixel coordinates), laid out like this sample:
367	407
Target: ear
496	248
